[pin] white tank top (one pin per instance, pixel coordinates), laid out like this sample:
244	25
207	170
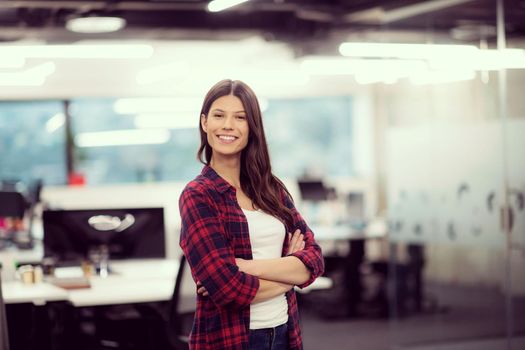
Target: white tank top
267	237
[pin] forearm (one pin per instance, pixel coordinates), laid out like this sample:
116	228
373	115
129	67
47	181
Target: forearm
270	289
288	270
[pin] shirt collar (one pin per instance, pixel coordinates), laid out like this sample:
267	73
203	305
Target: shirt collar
220	184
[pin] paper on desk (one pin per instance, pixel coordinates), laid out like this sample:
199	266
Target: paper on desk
68	272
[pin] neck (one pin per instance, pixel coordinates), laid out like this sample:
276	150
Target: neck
229	168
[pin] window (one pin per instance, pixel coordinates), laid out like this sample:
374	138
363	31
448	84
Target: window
305	136
146	155
32	142
310	136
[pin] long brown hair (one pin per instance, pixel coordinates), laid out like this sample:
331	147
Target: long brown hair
257	180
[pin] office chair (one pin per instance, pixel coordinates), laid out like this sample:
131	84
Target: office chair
12	204
401	287
173	330
150	325
4	336
175	320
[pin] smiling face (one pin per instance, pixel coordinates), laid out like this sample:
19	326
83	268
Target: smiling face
226	127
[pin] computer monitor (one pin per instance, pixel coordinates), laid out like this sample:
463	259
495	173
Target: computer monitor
312	190
70	235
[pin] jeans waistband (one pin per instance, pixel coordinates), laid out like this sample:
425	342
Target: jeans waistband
269	328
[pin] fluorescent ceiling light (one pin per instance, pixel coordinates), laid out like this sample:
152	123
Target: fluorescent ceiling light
95	24
77	51
12	62
157	105
484	60
168	121
35	76
372	78
122	137
219	5
350	66
173	70
55	122
405	51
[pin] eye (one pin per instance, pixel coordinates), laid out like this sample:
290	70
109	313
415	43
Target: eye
218	115
241	117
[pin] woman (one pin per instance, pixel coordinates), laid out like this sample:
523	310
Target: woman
235	216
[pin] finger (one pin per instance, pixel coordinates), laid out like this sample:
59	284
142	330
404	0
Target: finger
299	241
295	237
202	290
303	245
205	294
292	244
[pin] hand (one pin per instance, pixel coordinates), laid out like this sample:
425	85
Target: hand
201	290
296	242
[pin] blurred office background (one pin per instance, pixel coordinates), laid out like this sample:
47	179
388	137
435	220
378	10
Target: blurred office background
399	127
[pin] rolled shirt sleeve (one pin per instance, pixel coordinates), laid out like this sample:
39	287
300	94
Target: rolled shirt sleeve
311	256
209	253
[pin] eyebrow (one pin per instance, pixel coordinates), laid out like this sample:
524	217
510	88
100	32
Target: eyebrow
220	110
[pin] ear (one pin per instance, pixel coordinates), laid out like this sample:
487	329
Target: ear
204	123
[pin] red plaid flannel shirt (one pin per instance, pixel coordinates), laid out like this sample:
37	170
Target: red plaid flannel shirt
214	232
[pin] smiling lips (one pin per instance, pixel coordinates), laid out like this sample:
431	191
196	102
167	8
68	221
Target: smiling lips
227	139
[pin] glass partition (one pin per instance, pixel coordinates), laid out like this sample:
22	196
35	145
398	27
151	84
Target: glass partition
455	194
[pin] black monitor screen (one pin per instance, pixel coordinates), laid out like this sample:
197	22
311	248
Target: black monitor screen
69	235
312	190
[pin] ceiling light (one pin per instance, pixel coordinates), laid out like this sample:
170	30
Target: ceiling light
157	105
348	66
35	76
405	51
169	121
219	5
442	77
77	51
122	138
95	24
12	62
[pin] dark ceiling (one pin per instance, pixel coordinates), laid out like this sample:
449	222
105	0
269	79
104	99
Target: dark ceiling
298	22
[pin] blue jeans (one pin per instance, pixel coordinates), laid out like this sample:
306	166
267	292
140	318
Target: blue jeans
275	338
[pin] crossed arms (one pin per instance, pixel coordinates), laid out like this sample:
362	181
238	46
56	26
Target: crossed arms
276	276
238	282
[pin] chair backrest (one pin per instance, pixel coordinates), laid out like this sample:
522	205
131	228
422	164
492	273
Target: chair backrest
12	204
183	302
4	339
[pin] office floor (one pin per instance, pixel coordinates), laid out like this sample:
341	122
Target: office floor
467	319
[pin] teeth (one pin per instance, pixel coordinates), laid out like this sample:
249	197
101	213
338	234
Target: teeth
227	138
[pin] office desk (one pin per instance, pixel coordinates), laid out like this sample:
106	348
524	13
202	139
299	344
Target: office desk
346	232
15	292
136	281
352	284
50	314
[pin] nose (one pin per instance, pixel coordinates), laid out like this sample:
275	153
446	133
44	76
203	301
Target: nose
228	123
